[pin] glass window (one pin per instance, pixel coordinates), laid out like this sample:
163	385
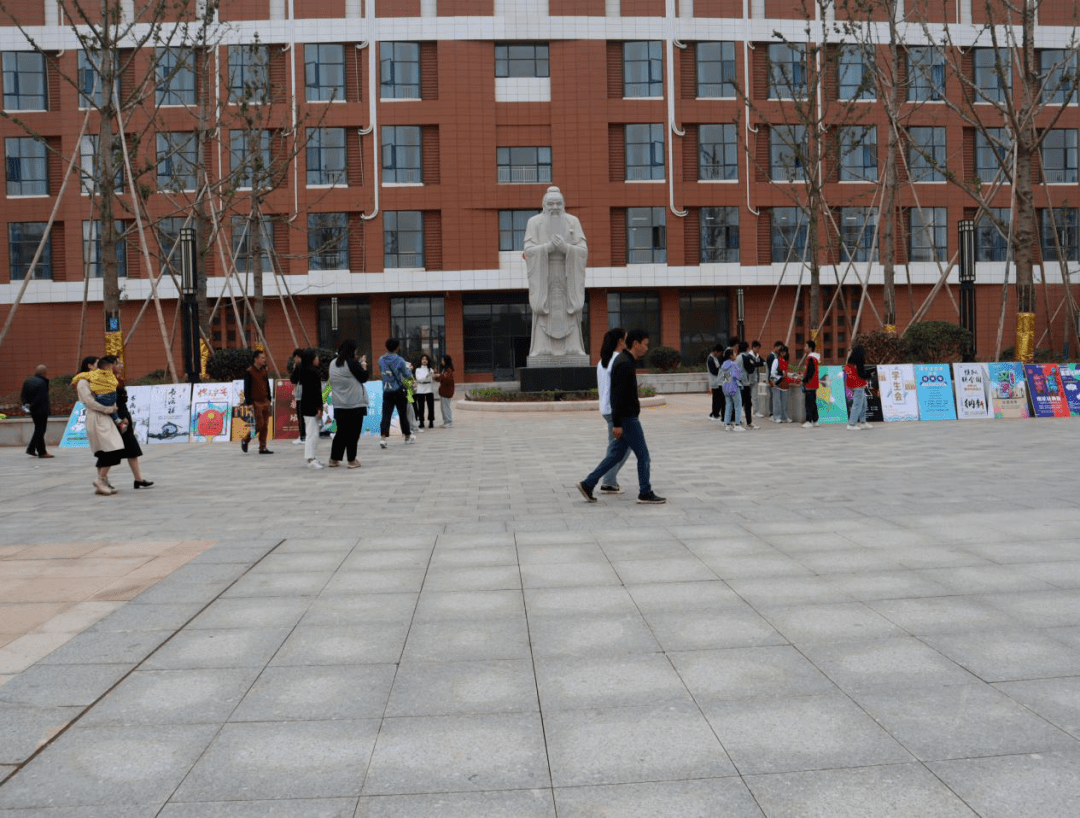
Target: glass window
992	150
174	74
858	226
399	70
176	161
419	322
88	166
990	243
92	248
716	70
1059	156
512	224
789	229
993	74
326	156
787	153
929	239
925	73
328	241
496	332
402	153
858	153
91	93
521	60
855	68
249	155
1060	227
644	152
718	152
704	322
27	167
523	166
25	86
249	73
1058	71
168	235
403	238
787	71
23	241
353	321
643	69
324	72
926	154
636	310
243	247
646	239
719	234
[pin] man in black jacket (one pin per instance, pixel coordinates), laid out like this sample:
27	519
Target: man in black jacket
625	422
35	396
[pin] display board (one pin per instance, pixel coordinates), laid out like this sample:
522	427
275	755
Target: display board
170	413
1008	391
972	385
286	426
831	403
899	400
1070	382
211	412
139	408
75	432
1046	391
934	390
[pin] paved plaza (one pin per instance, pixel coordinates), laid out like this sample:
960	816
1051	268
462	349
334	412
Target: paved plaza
818	623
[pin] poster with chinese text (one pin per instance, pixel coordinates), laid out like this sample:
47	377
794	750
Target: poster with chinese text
1008	391
899	400
972	384
1046	391
934	389
831	403
170	413
286	426
210	412
1070	382
75	431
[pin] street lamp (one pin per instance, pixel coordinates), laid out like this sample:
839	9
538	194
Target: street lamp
740	312
191	307
966	230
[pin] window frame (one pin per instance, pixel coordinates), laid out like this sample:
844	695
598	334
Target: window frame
314	69
650	66
852	247
920	169
928	240
990	244
640	143
724	65
426	314
1066	154
861	90
92	96
504	65
177	155
854	143
779	149
326	163
726	146
512	224
990	86
727	251
656	231
392	237
39	164
19	261
789	230
1062	63
176	62
393	61
249	67
925	74
331	250
1067	224
505	164
401	159
14	69
984	148
92	265
787	71
239	241
240	168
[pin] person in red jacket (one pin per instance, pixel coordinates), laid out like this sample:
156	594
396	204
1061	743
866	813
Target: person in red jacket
855	377
810	384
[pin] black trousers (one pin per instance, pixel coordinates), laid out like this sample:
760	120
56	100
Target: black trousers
810	403
391	400
748	404
422	401
37	441
717	403
349	423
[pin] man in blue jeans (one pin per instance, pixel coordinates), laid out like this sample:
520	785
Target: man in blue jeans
625	422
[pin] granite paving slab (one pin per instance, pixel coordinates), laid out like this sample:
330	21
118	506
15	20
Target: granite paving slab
1015	786
671	799
508	803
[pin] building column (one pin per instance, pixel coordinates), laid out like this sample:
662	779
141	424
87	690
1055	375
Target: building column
670	319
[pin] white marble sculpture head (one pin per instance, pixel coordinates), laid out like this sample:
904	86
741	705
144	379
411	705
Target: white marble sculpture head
554	204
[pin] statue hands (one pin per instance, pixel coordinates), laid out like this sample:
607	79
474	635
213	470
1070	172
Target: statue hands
559	243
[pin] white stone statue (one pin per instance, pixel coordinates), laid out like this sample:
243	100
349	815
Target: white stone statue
555	256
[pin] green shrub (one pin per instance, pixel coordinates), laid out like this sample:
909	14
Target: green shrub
881	347
1042	356
935	342
665	358
228	364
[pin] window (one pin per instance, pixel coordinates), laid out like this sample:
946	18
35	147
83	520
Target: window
249	153
787	153
27	167
716	70
704	322
523	166
858	226
353	321
1060	227
249	75
926	154
174	70
646	236
403	238
643	69
855	69
324	72
496	332
25	86
168	236
176	161
789	228
990	243
993	74
787	71
636	310
521	60
399	70
992	150
23	241
858	153
1058	70
718	152
326	156
512	224
925	74
419	322
91	92
244	248
644	152
928	238
328	241
88	166
91	231
719	234
1059	156
402	161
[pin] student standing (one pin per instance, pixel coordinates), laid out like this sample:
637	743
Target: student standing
732	392
614	343
395	374
778	375
347	379
311	404
425	393
445	377
810	382
776	347
713	364
35	396
296	353
855	377
257	396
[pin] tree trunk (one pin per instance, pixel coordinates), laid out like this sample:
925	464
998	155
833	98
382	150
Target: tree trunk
1025	235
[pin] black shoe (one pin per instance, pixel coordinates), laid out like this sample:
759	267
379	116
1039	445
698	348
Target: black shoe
586	492
265	451
651	499
610	490
244	445
143	484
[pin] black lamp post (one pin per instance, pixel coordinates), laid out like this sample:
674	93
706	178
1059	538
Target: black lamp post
191	306
740	312
966	229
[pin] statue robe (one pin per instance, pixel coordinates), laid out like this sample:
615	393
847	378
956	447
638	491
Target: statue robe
556	284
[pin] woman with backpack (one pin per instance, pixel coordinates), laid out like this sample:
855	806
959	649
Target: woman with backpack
730	381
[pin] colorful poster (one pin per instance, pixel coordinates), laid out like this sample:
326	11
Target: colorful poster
899	400
831	403
934	389
170	413
1046	391
286	426
327	424
972	383
210	412
242	421
873	396
139	409
75	431
1008	392
373	419
1070	382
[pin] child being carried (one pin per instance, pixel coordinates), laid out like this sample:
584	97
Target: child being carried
103	385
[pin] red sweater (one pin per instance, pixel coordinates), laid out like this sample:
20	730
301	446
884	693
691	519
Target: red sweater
851	377
813	370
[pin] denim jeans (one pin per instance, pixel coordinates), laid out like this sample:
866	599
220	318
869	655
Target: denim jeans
612	476
779	404
732	408
632	439
858	406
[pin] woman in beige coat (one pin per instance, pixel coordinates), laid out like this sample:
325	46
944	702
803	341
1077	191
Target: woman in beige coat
101	432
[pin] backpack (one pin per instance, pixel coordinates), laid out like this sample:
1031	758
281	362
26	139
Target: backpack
724	376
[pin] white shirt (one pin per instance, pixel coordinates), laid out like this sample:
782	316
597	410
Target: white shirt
603	384
423	380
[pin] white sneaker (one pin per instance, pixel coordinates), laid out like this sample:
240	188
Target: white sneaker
817	422
854	427
759	415
727	427
777	420
383	443
808	425
752	426
410	439
738	428
786	420
298	442
315	464
864	425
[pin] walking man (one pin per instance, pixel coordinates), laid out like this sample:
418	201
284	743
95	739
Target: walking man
257	396
35	396
625	423
395	374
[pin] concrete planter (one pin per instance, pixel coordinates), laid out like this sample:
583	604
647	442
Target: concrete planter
675	382
18	431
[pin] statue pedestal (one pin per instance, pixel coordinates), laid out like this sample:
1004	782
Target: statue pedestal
575	375
556	361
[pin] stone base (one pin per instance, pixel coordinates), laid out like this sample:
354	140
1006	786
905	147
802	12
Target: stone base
553	361
556	378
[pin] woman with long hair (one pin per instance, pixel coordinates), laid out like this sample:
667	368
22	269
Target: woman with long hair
425	392
445	377
311	403
855	378
132	450
347	379
101	432
614	343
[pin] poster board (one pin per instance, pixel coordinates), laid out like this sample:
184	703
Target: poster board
873	396
1070	382
210	412
286	426
242	421
373	419
899	400
831	402
1008	390
74	436
972	385
1046	391
170	413
934	390
139	408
